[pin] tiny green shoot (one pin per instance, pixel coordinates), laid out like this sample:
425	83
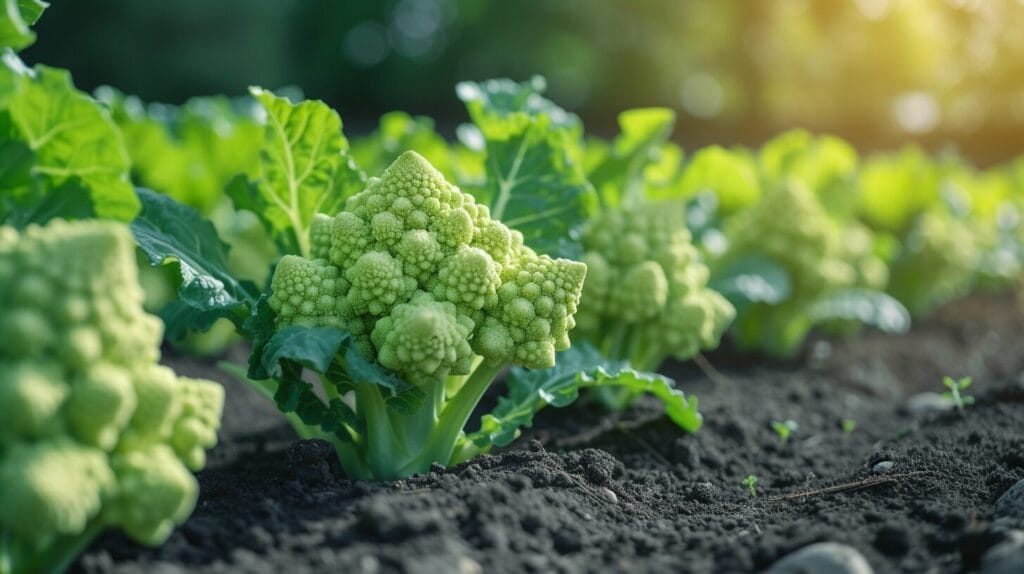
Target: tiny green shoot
751	483
954	394
784	429
848	425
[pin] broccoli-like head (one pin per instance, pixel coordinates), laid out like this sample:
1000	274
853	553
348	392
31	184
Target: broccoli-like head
423	278
646	295
88	420
937	263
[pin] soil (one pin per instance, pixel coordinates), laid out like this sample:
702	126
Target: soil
584	491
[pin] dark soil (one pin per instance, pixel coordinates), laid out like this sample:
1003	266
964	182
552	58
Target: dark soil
586	492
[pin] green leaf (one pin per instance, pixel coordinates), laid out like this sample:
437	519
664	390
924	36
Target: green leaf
258	328
730	175
752	279
873	308
15	18
303	160
71	135
644	131
361	370
535	181
171	233
581	366
311	347
68	201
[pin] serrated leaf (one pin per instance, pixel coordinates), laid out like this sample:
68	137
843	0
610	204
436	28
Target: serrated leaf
874	308
619	179
71	136
581	366
752	279
171	233
303	156
535	182
258	328
311	347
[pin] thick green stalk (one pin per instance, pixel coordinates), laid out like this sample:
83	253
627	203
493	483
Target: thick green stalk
53	559
384	452
453	418
352	461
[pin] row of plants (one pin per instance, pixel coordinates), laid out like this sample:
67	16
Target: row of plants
385	282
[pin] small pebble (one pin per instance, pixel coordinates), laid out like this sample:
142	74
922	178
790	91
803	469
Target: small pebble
1006	557
1010	507
830	557
609	495
883	467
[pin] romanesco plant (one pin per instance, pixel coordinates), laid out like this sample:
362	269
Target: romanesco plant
936	263
646	296
429	287
94	433
790	227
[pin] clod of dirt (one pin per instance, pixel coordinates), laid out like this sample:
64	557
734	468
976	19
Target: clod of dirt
1006	557
829	557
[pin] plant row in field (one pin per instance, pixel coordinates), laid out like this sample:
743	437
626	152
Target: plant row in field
385	282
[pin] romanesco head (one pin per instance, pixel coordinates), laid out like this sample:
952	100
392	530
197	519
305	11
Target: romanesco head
937	264
790	226
644	273
81	390
423	278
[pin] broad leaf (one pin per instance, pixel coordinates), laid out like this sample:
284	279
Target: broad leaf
303	161
68	201
15	18
535	182
581	366
752	279
71	136
360	370
311	347
873	308
619	179
171	233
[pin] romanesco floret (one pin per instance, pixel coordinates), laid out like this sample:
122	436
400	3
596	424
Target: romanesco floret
646	295
93	432
423	278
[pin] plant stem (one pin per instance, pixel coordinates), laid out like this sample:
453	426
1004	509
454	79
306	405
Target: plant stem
55	558
351	460
383	451
453	418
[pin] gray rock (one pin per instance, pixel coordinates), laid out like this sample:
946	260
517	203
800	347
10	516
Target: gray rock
829	557
883	467
1010	507
927	403
1007	557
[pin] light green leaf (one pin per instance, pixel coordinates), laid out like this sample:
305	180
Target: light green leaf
71	136
643	133
535	182
304	154
15	18
752	279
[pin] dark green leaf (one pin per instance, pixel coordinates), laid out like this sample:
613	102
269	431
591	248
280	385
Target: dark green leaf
581	366
68	201
258	328
752	279
361	370
873	308
310	347
171	233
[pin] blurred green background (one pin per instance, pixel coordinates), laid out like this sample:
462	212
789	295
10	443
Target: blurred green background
878	72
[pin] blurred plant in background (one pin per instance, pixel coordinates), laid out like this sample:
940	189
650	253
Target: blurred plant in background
874	71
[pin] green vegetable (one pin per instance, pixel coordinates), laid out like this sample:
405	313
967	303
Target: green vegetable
94	433
936	263
646	296
431	298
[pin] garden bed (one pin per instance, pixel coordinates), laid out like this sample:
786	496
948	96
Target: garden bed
584	491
